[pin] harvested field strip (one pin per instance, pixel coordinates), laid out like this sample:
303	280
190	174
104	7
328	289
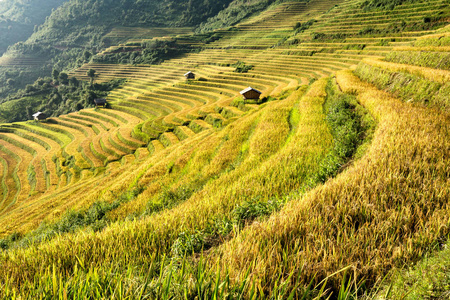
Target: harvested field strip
26	135
155	146
184	92
98	155
14	140
155	105
89	155
137	108
12	180
4	174
60	134
100	117
120	116
35	172
187	101
55	140
20	173
131	110
88	128
424	49
100	124
52	148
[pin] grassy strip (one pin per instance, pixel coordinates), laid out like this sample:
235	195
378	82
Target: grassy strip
41	133
138	134
436	60
31	176
409	87
120	147
351	126
55	129
4	174
165	279
97	154
46	174
428	279
108	150
128	142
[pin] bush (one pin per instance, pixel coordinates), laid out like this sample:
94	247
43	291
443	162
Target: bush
241	67
249	210
188	243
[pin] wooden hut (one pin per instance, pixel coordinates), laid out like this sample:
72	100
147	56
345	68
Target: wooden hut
251	93
39	116
100	102
189	75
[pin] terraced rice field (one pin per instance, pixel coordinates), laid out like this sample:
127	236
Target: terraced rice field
167	133
139	33
158	104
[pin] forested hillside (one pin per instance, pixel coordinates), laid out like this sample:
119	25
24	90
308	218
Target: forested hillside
18	19
76	31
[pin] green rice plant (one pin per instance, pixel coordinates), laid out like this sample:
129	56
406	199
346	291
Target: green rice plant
251	209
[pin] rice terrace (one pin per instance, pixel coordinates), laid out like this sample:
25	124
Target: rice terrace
228	149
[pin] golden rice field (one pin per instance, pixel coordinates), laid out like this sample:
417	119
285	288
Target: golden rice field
183	190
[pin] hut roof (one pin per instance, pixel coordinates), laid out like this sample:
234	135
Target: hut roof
188	73
250	89
100	101
38	114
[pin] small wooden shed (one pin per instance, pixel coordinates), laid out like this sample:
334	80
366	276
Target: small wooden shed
189	75
250	93
39	116
100	102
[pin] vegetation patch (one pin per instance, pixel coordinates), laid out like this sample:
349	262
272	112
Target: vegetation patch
384	4
351	126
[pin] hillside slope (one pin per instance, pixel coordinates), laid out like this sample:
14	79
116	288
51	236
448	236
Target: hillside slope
181	188
19	18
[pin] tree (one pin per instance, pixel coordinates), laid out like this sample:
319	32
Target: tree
73	81
63	77
87	55
55	74
91	74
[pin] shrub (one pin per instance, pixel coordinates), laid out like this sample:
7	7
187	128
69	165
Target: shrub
241	67
188	243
